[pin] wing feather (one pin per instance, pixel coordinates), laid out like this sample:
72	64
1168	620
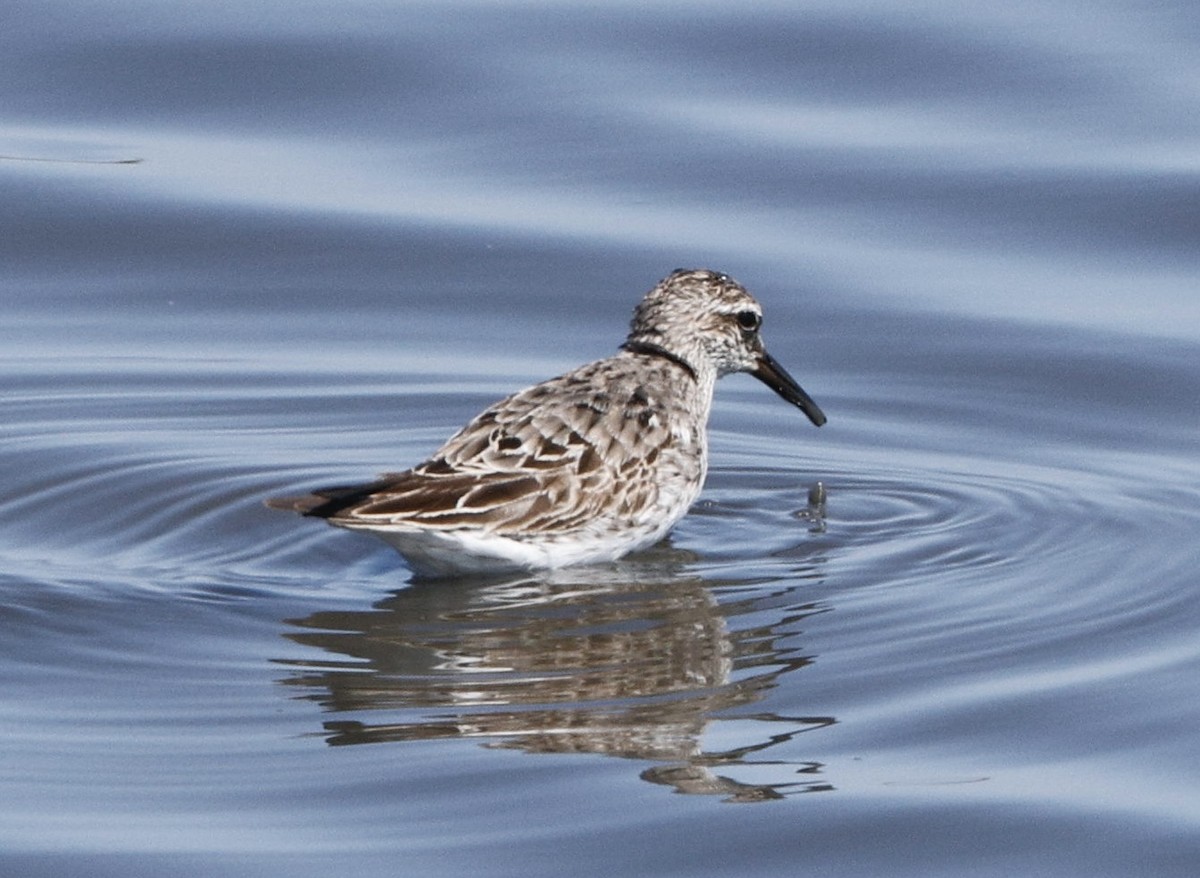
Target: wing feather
525	465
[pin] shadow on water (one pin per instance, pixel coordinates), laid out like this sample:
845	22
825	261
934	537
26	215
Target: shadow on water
642	662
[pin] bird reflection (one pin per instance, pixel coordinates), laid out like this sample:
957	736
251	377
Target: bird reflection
628	661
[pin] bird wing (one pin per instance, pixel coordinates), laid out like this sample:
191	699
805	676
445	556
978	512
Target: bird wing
523	465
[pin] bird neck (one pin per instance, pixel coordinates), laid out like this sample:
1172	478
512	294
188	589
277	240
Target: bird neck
650	349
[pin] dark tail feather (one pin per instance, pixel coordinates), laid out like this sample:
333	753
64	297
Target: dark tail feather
325	502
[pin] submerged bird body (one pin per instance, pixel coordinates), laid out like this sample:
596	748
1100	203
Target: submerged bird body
585	467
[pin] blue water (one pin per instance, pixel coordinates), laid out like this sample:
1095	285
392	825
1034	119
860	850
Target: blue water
247	251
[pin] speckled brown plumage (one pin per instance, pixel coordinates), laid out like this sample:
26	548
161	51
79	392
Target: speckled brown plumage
583	467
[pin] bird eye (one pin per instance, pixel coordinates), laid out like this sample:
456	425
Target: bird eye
749	320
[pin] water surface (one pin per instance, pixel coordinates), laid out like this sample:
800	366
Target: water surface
347	230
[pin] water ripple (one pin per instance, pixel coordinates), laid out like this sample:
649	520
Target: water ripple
964	574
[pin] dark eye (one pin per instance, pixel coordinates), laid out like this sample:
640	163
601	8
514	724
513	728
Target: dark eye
749	320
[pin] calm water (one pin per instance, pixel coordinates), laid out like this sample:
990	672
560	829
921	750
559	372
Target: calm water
352	225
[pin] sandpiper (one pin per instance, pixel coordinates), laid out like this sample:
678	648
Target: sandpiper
585	467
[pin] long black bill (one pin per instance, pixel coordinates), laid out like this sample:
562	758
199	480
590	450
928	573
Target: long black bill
770	373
